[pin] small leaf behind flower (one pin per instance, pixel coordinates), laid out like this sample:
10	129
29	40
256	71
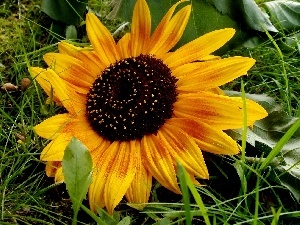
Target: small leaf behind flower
77	170
71	32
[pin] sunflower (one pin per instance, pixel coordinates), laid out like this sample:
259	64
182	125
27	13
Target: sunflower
141	108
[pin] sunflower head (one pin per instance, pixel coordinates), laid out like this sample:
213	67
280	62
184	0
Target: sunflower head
139	107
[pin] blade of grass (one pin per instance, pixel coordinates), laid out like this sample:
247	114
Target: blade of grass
185	194
276	216
255	217
195	194
93	215
287	95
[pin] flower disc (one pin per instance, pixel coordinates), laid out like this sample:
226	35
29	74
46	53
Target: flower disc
131	98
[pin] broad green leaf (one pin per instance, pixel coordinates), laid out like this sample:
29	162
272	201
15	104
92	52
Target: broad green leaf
284	13
288	173
122	9
67	11
268	133
271	129
206	18
77	170
207	15
287	179
247	12
57	31
254	17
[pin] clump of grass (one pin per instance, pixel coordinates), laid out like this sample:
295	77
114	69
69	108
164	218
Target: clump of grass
275	74
27	196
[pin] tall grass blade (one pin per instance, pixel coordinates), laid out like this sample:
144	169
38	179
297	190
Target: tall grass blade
193	190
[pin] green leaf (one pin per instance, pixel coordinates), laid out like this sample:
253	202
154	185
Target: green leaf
285	14
271	129
281	143
247	12
67	11
107	218
77	169
278	137
125	221
206	18
57	31
122	8
254	17
71	32
163	221
285	176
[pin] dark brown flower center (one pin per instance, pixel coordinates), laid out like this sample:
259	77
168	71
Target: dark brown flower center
131	98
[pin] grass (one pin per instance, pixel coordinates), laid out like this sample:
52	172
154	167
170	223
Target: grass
27	196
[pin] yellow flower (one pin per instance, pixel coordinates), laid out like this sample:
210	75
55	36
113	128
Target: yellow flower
140	108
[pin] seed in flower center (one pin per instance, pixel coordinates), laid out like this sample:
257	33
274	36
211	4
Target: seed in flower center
131	98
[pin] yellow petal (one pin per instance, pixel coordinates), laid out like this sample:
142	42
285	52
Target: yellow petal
123	46
101	39
121	174
139	191
173	30
219	111
100	173
210	57
87	136
114	172
53	126
89	57
201	76
163	24
217	91
71	70
74	126
54	151
159	162
51	167
183	149
38	73
59	177
52	83
140	28
199	48
208	138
